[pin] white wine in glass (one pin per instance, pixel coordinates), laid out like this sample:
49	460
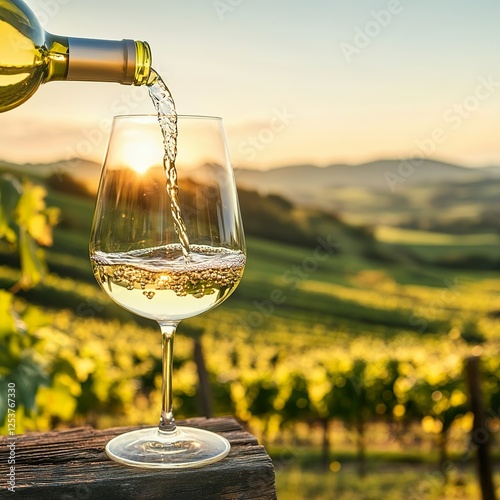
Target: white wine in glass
139	260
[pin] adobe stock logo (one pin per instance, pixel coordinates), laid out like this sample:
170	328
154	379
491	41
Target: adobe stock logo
250	147
452	119
262	309
223	7
364	36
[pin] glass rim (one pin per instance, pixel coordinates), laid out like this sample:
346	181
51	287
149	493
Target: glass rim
155	115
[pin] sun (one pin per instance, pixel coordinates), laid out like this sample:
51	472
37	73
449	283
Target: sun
141	156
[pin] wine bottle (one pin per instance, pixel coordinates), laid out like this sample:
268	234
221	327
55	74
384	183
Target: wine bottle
30	56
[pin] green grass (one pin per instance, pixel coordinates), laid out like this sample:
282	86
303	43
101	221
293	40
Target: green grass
312	289
77	211
432	246
389	483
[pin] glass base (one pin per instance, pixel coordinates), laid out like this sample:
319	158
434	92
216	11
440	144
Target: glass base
151	449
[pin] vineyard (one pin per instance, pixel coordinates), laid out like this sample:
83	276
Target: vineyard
321	350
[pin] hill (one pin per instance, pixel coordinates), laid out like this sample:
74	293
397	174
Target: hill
266	216
372	175
298	179
273	218
84	171
425	195
305	252
390	192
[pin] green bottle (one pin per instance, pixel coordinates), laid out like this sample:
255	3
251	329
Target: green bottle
29	56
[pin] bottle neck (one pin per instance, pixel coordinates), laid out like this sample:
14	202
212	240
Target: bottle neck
122	61
55	51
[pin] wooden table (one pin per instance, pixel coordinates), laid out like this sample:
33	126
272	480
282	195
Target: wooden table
72	465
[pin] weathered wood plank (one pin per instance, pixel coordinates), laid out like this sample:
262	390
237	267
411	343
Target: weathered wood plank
72	465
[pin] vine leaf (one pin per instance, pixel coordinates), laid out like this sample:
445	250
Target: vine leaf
32	214
33	267
10	190
7	323
17	365
5	230
35	223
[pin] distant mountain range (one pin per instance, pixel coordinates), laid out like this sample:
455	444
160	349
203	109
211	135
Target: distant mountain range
423	194
82	170
379	175
393	192
297	178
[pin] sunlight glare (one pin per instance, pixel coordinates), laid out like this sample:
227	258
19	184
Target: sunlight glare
141	156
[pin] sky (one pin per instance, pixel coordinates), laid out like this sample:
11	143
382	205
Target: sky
296	82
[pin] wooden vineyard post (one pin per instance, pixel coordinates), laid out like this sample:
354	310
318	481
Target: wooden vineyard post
205	393
480	435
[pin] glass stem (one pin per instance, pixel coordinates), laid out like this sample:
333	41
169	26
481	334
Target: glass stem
167	421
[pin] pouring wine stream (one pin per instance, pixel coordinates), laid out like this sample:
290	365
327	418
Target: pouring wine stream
167	118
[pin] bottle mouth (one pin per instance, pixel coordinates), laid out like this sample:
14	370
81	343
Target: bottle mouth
143	64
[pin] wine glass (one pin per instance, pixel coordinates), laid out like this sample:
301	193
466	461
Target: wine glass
139	261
